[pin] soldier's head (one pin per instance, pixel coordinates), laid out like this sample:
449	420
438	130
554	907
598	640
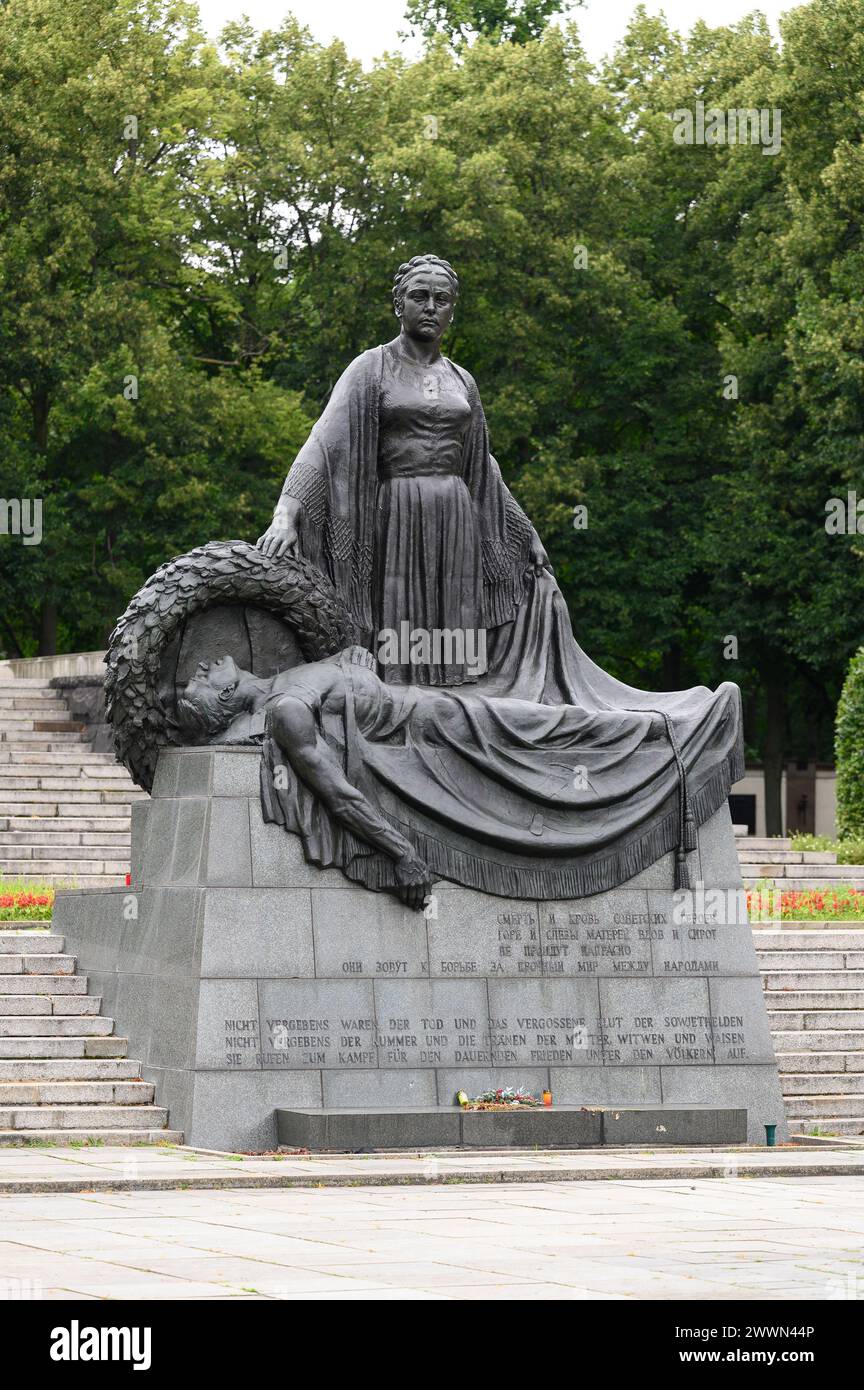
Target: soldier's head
212	698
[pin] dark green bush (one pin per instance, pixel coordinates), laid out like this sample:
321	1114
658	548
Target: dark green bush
849	749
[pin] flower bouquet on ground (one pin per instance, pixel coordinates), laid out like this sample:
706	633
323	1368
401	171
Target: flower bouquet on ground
505	1098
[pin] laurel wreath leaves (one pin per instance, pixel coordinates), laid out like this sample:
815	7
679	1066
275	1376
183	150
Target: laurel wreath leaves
219	572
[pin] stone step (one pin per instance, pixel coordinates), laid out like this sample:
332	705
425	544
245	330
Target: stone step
59	757
791	980
113	1138
14	698
31	738
795	875
15	719
42	984
80	855
81	880
71	1069
36	1026
843	939
36	963
809	927
17	1093
63	839
110	825
62	868
843	1000
16	943
74	777
818	1040
816	1020
78	1046
53	765
802	1107
62	780
8	681
837	1125
830	1083
35	701
49	1004
801	1060
762	842
59	813
785	856
77	796
810	960
89	1117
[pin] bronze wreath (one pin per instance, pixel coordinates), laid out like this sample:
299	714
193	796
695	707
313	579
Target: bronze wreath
219	572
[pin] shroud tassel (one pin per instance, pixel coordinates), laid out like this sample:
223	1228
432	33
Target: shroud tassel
682	870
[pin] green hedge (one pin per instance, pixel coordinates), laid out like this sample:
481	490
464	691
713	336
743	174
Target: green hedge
849	750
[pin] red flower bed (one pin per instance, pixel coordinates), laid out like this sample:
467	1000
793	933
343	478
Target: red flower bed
806	904
26	905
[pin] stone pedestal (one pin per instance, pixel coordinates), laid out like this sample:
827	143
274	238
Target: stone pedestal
248	980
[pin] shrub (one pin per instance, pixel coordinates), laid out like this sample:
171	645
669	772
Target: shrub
849	851
849	750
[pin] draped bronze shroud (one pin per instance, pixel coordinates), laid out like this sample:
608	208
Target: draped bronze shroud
484	779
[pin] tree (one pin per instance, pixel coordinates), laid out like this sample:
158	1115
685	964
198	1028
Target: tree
97	114
850	752
510	21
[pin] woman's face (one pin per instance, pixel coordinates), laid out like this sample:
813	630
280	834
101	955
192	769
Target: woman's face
427	307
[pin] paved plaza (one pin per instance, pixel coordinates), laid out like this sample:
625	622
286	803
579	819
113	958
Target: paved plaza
689	1237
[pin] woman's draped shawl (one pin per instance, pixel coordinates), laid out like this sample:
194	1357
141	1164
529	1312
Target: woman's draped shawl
335	477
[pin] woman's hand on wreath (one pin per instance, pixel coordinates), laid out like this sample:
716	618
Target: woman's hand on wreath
282	535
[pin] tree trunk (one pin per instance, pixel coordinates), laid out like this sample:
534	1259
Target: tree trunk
48	628
671	668
40	406
775	743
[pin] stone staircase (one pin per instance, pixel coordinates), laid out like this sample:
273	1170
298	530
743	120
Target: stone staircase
813	980
64	1077
775	861
64	809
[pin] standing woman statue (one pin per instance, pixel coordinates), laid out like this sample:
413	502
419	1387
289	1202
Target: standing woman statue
396	496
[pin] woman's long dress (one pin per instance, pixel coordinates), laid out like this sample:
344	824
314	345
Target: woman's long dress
427	583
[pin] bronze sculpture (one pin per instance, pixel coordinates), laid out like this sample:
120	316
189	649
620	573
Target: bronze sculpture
351	761
531	771
396	496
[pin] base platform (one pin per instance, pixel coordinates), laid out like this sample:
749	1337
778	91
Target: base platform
558	1127
248	981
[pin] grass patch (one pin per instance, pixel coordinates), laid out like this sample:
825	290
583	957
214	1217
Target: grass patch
849	851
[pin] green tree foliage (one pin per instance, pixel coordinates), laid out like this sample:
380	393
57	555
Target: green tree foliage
175	305
511	21
850	752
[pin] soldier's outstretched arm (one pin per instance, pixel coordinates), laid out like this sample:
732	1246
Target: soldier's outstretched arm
292	725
